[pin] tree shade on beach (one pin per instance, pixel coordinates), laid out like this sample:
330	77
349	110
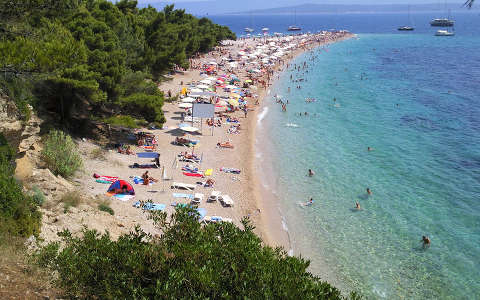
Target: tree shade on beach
189	260
80	59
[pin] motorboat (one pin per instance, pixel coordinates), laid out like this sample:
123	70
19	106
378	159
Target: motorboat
442	32
247	29
294	28
406	28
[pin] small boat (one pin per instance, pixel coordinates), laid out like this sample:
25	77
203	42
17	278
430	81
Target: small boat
444	33
247	29
294	28
442	22
265	29
406	28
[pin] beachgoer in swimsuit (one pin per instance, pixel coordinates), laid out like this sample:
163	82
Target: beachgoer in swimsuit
310	172
369	192
357	205
426	241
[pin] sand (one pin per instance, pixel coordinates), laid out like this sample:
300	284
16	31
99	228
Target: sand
243	188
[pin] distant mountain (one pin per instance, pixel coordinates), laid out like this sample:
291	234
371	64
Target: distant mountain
357	8
219	7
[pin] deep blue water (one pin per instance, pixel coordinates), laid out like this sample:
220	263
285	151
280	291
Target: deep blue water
414	98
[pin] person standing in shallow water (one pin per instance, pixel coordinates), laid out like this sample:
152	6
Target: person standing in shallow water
369	192
425	241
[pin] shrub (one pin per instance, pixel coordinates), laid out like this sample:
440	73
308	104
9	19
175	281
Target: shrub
125	121
70	199
187	261
38	197
18	212
106	208
60	154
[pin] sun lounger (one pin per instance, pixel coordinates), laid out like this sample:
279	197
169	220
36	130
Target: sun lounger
226	200
214	196
183	186
230	170
216	219
186	196
198	198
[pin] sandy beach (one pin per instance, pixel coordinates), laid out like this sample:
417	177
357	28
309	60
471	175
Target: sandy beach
234	57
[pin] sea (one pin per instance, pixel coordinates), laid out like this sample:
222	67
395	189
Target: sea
414	99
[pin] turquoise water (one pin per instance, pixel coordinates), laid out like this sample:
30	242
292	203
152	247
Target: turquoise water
418	105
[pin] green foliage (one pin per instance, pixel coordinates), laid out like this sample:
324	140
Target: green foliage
38	197
82	55
18	212
104	207
125	121
187	261
60	154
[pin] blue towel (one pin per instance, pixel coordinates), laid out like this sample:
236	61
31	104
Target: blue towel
178	195
148	154
150	206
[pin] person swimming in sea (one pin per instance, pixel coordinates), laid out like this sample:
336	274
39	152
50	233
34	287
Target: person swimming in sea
425	241
309	202
310	172
369	149
357	205
369	192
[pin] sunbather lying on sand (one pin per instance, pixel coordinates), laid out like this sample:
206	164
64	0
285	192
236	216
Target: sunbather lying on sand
127	151
210	182
224	145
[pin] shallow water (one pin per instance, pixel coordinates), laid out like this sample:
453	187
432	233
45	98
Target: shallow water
417	104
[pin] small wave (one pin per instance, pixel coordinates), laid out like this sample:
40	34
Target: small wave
290	252
262	115
292	125
284	225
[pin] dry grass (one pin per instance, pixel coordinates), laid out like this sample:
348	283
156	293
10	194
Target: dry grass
20	279
71	199
98	154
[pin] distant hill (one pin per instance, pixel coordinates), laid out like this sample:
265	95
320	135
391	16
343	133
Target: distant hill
358	8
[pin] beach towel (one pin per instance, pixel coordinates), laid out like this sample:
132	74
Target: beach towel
123	197
144	166
192	174
208	172
139	180
179	195
148	154
110	179
230	170
103	181
150	206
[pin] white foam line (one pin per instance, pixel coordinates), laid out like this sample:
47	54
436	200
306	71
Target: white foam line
262	115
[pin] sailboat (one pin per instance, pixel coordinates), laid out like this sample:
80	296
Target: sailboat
407	28
294	27
250	29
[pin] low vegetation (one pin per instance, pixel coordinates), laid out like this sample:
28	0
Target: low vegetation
71	199
60	154
106	208
187	261
125	121
19	215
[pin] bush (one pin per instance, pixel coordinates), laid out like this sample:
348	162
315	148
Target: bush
106	208
70	199
60	154
38	196
125	121
187	261
147	106
18	212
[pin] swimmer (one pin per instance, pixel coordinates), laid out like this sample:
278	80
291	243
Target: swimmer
426	241
357	205
369	149
369	191
310	172
310	202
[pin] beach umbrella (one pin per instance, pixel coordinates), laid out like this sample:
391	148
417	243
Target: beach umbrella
210	78
188	100
248	81
202	86
236	96
181	125
233	102
185	105
189	129
231	87
206	81
212	63
222	103
196	91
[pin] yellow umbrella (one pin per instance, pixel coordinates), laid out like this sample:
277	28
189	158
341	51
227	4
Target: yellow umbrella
236	96
248	81
233	102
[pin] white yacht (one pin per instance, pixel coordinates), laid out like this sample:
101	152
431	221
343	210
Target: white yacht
247	29
442	32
